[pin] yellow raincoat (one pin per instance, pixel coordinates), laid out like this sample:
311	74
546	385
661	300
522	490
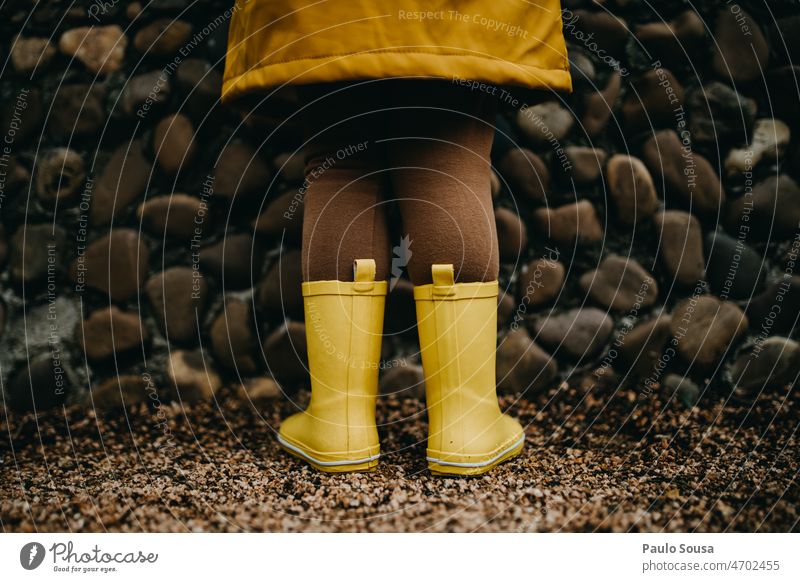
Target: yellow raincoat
503	42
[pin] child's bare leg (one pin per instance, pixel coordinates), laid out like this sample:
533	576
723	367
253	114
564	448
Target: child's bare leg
439	154
344	216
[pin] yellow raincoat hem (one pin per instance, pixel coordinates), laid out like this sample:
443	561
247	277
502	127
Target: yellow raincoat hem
395	64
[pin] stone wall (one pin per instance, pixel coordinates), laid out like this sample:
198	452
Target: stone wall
649	222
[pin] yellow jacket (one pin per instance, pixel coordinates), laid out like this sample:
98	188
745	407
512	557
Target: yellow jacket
503	42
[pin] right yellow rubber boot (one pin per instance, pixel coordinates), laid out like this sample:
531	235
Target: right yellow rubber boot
467	432
344	326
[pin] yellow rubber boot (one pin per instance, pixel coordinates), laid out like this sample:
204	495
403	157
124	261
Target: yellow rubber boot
344	326
457	322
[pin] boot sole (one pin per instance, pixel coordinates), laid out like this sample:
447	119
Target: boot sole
362	465
440	467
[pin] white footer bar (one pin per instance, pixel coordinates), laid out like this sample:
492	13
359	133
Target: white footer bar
390	557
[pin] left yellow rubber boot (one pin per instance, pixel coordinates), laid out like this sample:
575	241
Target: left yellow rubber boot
344	326
467	432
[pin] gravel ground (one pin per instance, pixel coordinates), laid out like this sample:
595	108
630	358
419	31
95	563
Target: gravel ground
596	459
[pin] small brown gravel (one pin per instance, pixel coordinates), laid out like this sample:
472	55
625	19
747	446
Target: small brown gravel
597	459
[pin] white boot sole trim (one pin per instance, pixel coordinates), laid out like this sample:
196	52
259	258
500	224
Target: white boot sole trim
305	455
482	464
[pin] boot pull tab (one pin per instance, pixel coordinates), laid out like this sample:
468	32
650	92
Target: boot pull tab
443	277
364	274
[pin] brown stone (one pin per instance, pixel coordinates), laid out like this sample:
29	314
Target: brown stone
580	332
291	166
620	283
29	54
115	264
545	124
240	172
772	365
279	293
586	164
570	224
601	28
641	347
522	366
541	281
706	328
686	174
78	110
179	215
235	261
512	235
675	42
631	188
174	144
718	113
233	338
741	51
680	246
178	297
123	180
100	48
163	37
193	376
775	212
145	92
119	392
599	105
505	308
526	174
36	252
285	353
284	214
60	174
259	391
406	380
653	102
202	85
110	332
